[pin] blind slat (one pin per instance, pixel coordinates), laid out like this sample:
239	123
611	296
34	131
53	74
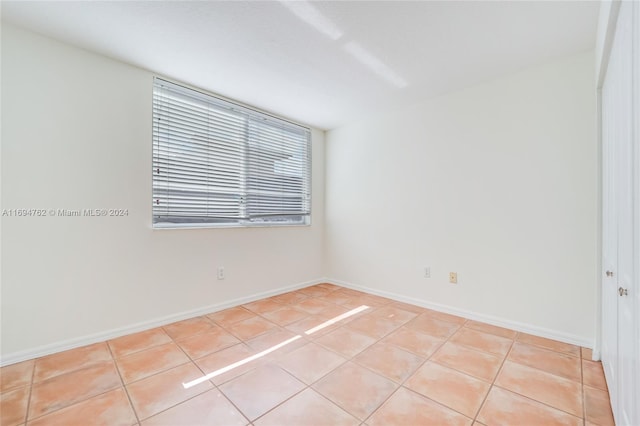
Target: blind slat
216	162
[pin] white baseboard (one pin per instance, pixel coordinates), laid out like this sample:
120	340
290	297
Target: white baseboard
489	319
40	351
43	350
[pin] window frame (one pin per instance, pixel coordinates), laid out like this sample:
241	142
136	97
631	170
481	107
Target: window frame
306	219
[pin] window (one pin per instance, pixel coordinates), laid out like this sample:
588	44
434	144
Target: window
216	163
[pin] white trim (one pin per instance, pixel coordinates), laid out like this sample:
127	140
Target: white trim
607	19
597	342
489	319
77	342
608	16
40	351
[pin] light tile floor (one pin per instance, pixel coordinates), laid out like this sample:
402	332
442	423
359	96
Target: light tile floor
391	364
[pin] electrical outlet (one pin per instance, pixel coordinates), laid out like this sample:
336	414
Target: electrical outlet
221	272
427	271
453	277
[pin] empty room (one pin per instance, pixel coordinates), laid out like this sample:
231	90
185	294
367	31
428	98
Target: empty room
320	213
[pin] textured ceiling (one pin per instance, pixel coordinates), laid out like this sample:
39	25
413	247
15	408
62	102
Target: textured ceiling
321	63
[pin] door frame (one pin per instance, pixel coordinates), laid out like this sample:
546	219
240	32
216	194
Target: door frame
607	20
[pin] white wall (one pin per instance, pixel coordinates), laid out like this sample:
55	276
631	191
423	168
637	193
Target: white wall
76	133
497	182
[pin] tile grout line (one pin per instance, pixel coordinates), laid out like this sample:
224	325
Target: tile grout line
538	402
74	404
289	398
33	374
537	345
530	398
493	382
547	371
126	390
193	361
309	386
427	359
401	385
582	398
275	364
216	388
83	399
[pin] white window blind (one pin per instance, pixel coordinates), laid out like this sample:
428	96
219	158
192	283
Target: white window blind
219	163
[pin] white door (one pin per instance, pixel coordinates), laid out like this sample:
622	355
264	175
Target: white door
610	127
620	289
626	397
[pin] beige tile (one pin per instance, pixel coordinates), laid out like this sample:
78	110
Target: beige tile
491	329
414	341
228	363
71	360
371	300
357	303
356	389
285	315
310	362
111	408
456	390
389	361
13	406
334	311
475	363
312	305
308	323
231	316
586	353
164	390
409	408
372	325
552	362
209	408
315	291
189	327
554	345
208	342
150	361
394	314
329	286
336	297
263	306
408	307
441	316
433	327
16	375
593	374
278	342
67	389
597	407
131	343
485	342
250	328
351	292
260	390
504	408
307	408
556	391
290	298
346	342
